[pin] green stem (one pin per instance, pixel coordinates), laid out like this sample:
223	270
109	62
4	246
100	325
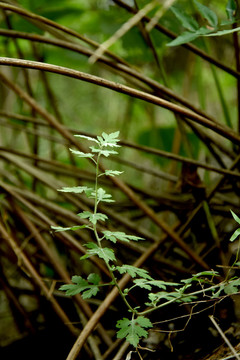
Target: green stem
179	298
99	241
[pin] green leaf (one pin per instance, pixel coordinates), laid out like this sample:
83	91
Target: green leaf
187	21
217	294
223	32
169	296
98	216
207	14
73	228
76	189
133	271
227	22
156	297
93	218
103	196
85	214
118	235
231	9
133	330
87	138
232	287
143	284
109	139
82	154
188	36
147	284
199	277
94	278
112	173
104	253
87	288
236	218
102	152
235	235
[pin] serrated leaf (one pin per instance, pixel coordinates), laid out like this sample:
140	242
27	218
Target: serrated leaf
103	152
82	154
232	287
87	138
118	235
133	271
133	330
199	276
76	189
144	322
235	235
143	284
73	228
93	218
110	139
236	218
104	253
169	296
187	21
85	214
94	278
207	14
98	216
112	172
82	286
147	284
103	196
217	294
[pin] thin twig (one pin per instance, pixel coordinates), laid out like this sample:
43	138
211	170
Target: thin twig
224	337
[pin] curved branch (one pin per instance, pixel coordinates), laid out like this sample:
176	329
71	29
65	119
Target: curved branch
125	69
220	129
40	20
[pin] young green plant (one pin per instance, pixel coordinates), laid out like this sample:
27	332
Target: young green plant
137	326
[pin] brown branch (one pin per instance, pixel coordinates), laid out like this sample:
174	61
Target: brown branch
124	69
59	267
179	158
36	278
49	25
218	128
70	240
147	149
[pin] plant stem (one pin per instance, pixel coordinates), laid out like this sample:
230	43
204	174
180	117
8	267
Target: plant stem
99	241
179	298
